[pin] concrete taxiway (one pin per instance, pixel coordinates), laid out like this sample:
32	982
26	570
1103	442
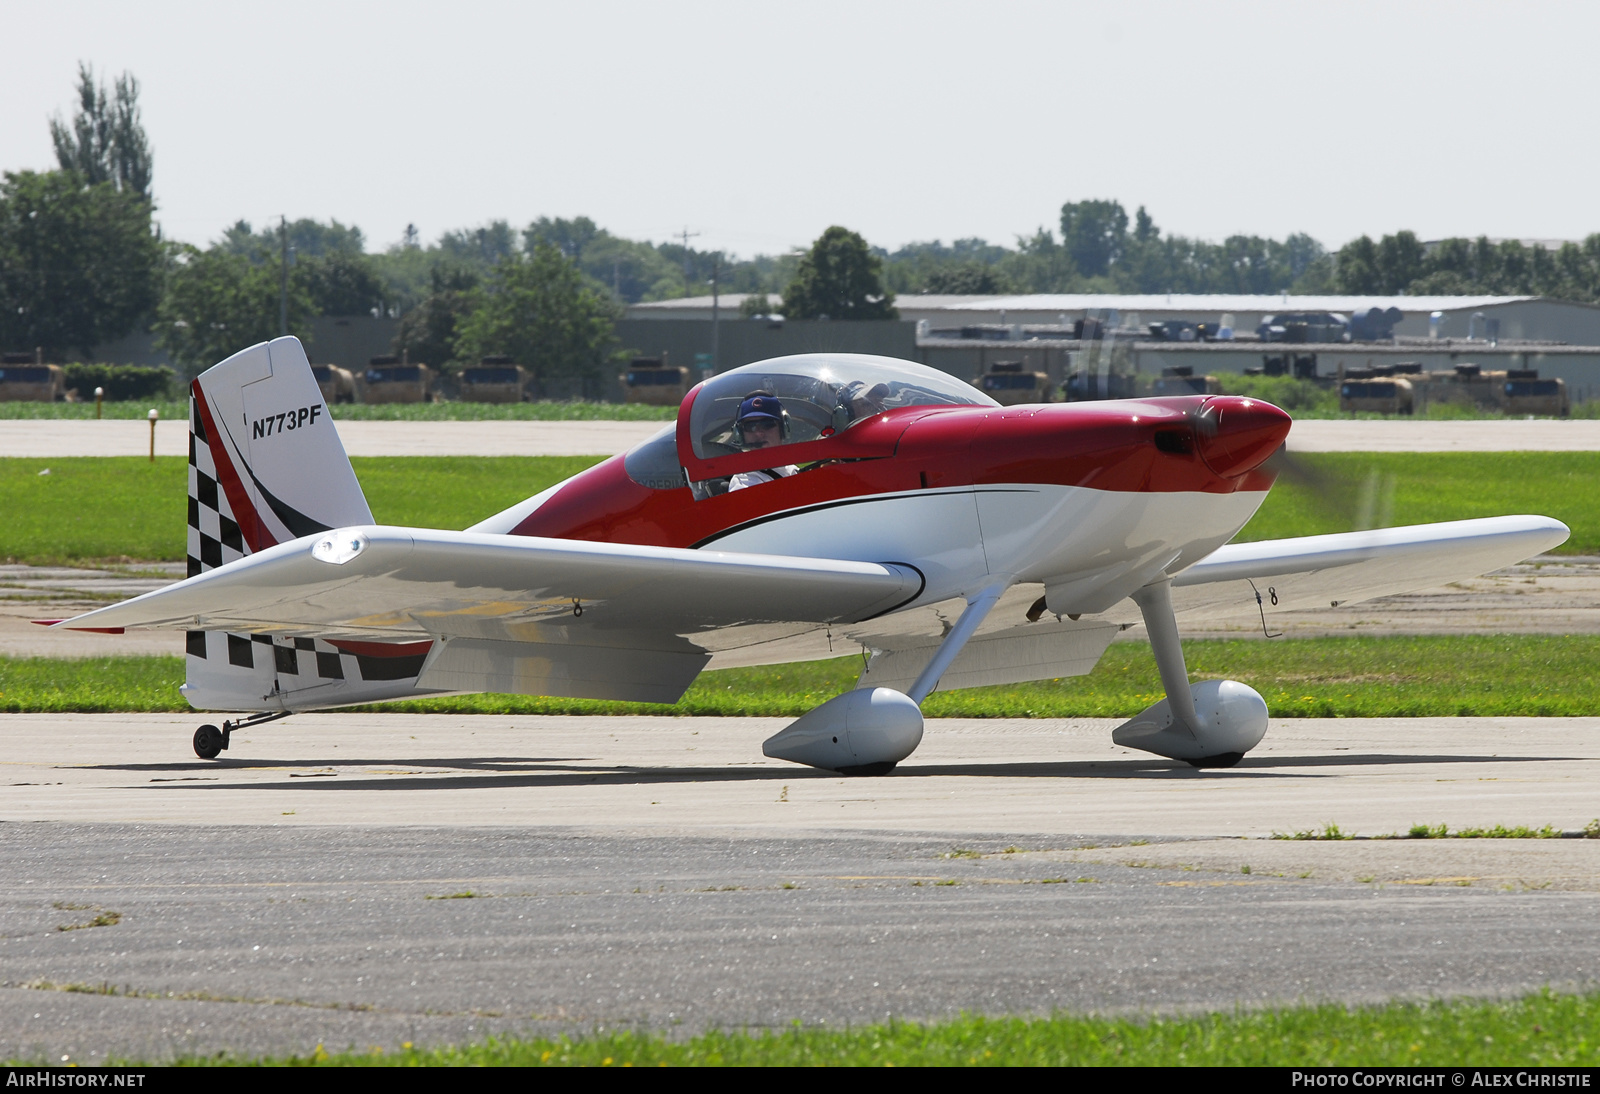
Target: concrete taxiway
356	880
1043	776
58	438
54	439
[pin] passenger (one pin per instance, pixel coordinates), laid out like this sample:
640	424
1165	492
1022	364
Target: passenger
761	424
862	401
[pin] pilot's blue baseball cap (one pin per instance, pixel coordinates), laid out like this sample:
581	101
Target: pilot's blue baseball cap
761	406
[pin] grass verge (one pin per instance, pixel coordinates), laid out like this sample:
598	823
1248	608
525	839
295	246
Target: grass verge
1541	1030
1391	677
113	507
1423	487
122	507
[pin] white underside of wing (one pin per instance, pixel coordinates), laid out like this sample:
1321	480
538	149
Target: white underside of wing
402	584
1334	570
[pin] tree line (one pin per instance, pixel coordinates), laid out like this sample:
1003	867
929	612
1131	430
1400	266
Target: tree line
83	262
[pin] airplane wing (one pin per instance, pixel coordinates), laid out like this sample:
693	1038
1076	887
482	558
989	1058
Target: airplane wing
510	613
1335	570
514	613
402	584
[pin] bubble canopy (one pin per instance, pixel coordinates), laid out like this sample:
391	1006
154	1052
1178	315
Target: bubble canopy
822	394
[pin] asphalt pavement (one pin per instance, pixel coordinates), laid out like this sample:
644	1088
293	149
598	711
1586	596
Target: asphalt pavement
358	879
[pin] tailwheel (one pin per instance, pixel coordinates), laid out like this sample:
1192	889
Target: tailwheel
208	742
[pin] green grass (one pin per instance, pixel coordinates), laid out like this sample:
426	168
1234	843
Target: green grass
92	508
575	411
1391	677
1542	1030
35	685
167	408
1497	831
1422	487
456	491
130	508
127	507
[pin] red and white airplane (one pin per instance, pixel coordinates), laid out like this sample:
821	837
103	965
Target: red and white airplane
859	503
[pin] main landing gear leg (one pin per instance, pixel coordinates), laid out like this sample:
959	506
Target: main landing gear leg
1209	724
209	741
869	730
1161	624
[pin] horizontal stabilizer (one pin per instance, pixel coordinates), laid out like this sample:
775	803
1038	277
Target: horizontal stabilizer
637	671
1033	651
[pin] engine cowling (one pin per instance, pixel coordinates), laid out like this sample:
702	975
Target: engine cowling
862	732
1233	719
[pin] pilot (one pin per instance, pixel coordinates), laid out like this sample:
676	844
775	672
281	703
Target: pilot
761	424
861	401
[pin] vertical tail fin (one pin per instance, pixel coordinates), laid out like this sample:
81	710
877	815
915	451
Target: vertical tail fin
265	456
266	466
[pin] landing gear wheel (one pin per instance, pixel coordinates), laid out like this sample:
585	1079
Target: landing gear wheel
207	742
1225	759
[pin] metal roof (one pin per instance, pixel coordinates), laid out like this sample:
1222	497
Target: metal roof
1128	302
1204	302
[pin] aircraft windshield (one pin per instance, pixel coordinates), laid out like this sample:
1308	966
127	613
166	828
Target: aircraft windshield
821	394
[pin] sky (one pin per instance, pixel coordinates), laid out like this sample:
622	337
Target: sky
754	126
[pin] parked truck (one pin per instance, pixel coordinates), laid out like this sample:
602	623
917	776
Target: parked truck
1181	380
338	385
1524	393
1009	384
23	379
389	380
651	381
494	379
1381	395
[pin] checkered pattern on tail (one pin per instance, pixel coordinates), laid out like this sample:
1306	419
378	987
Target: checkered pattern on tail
214	537
304	658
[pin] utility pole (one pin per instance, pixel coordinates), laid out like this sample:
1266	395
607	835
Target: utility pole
283	279
687	235
716	312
